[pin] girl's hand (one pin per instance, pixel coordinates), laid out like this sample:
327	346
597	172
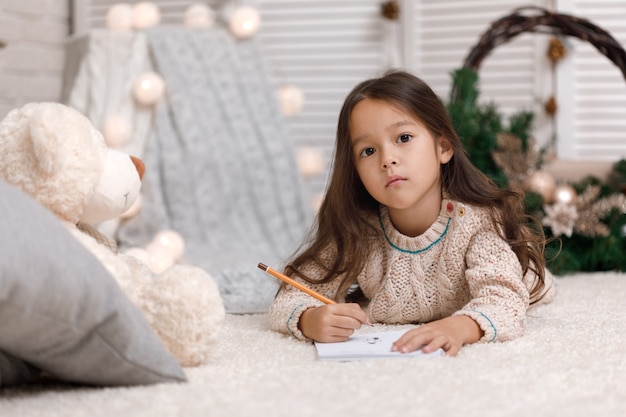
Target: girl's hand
450	334
332	322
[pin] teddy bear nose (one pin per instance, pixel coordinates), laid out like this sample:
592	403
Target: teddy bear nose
139	165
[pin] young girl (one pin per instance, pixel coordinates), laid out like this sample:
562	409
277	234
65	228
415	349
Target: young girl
412	230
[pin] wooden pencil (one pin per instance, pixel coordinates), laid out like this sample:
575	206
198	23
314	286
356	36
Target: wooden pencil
296	284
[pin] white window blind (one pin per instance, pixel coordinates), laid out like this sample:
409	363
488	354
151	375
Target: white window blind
512	76
592	93
325	47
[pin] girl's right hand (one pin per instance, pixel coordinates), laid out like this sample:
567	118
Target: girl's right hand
332	322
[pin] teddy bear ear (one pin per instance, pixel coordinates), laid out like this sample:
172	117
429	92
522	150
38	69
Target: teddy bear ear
46	132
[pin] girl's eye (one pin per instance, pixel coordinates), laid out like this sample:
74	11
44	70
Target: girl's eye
404	138
366	152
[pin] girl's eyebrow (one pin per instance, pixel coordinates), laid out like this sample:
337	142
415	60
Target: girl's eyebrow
390	127
400	123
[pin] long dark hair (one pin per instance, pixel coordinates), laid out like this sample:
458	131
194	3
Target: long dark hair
342	222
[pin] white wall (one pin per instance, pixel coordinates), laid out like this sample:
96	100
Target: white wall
31	64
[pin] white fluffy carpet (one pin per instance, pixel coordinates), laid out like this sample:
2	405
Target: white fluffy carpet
571	362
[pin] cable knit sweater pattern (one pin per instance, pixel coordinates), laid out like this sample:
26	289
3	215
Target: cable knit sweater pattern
460	265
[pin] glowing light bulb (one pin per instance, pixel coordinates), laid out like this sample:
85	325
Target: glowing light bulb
565	193
290	99
244	22
120	17
199	15
146	14
149	88
116	131
171	242
310	161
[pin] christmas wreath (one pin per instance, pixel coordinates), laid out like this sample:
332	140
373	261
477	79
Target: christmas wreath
585	221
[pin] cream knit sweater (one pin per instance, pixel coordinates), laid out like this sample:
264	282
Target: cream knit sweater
460	265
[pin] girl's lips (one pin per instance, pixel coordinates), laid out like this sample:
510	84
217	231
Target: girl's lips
394	179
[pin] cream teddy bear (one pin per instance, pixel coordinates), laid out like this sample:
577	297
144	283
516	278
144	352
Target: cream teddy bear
55	154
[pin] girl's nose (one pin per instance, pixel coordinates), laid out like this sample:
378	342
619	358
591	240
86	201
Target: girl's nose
389	161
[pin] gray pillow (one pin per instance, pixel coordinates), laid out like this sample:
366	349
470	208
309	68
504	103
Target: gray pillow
14	371
62	312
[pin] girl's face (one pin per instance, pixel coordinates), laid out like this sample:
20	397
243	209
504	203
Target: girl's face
397	158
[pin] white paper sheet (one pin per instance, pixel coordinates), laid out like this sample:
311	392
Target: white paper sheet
368	346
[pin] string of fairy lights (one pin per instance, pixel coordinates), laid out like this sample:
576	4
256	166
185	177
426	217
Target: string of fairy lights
243	21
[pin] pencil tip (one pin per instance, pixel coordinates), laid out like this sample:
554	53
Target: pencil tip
262	266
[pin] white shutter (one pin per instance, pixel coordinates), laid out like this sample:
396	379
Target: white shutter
325	47
513	75
592	119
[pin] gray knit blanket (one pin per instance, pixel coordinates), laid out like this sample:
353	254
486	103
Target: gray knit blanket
219	166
